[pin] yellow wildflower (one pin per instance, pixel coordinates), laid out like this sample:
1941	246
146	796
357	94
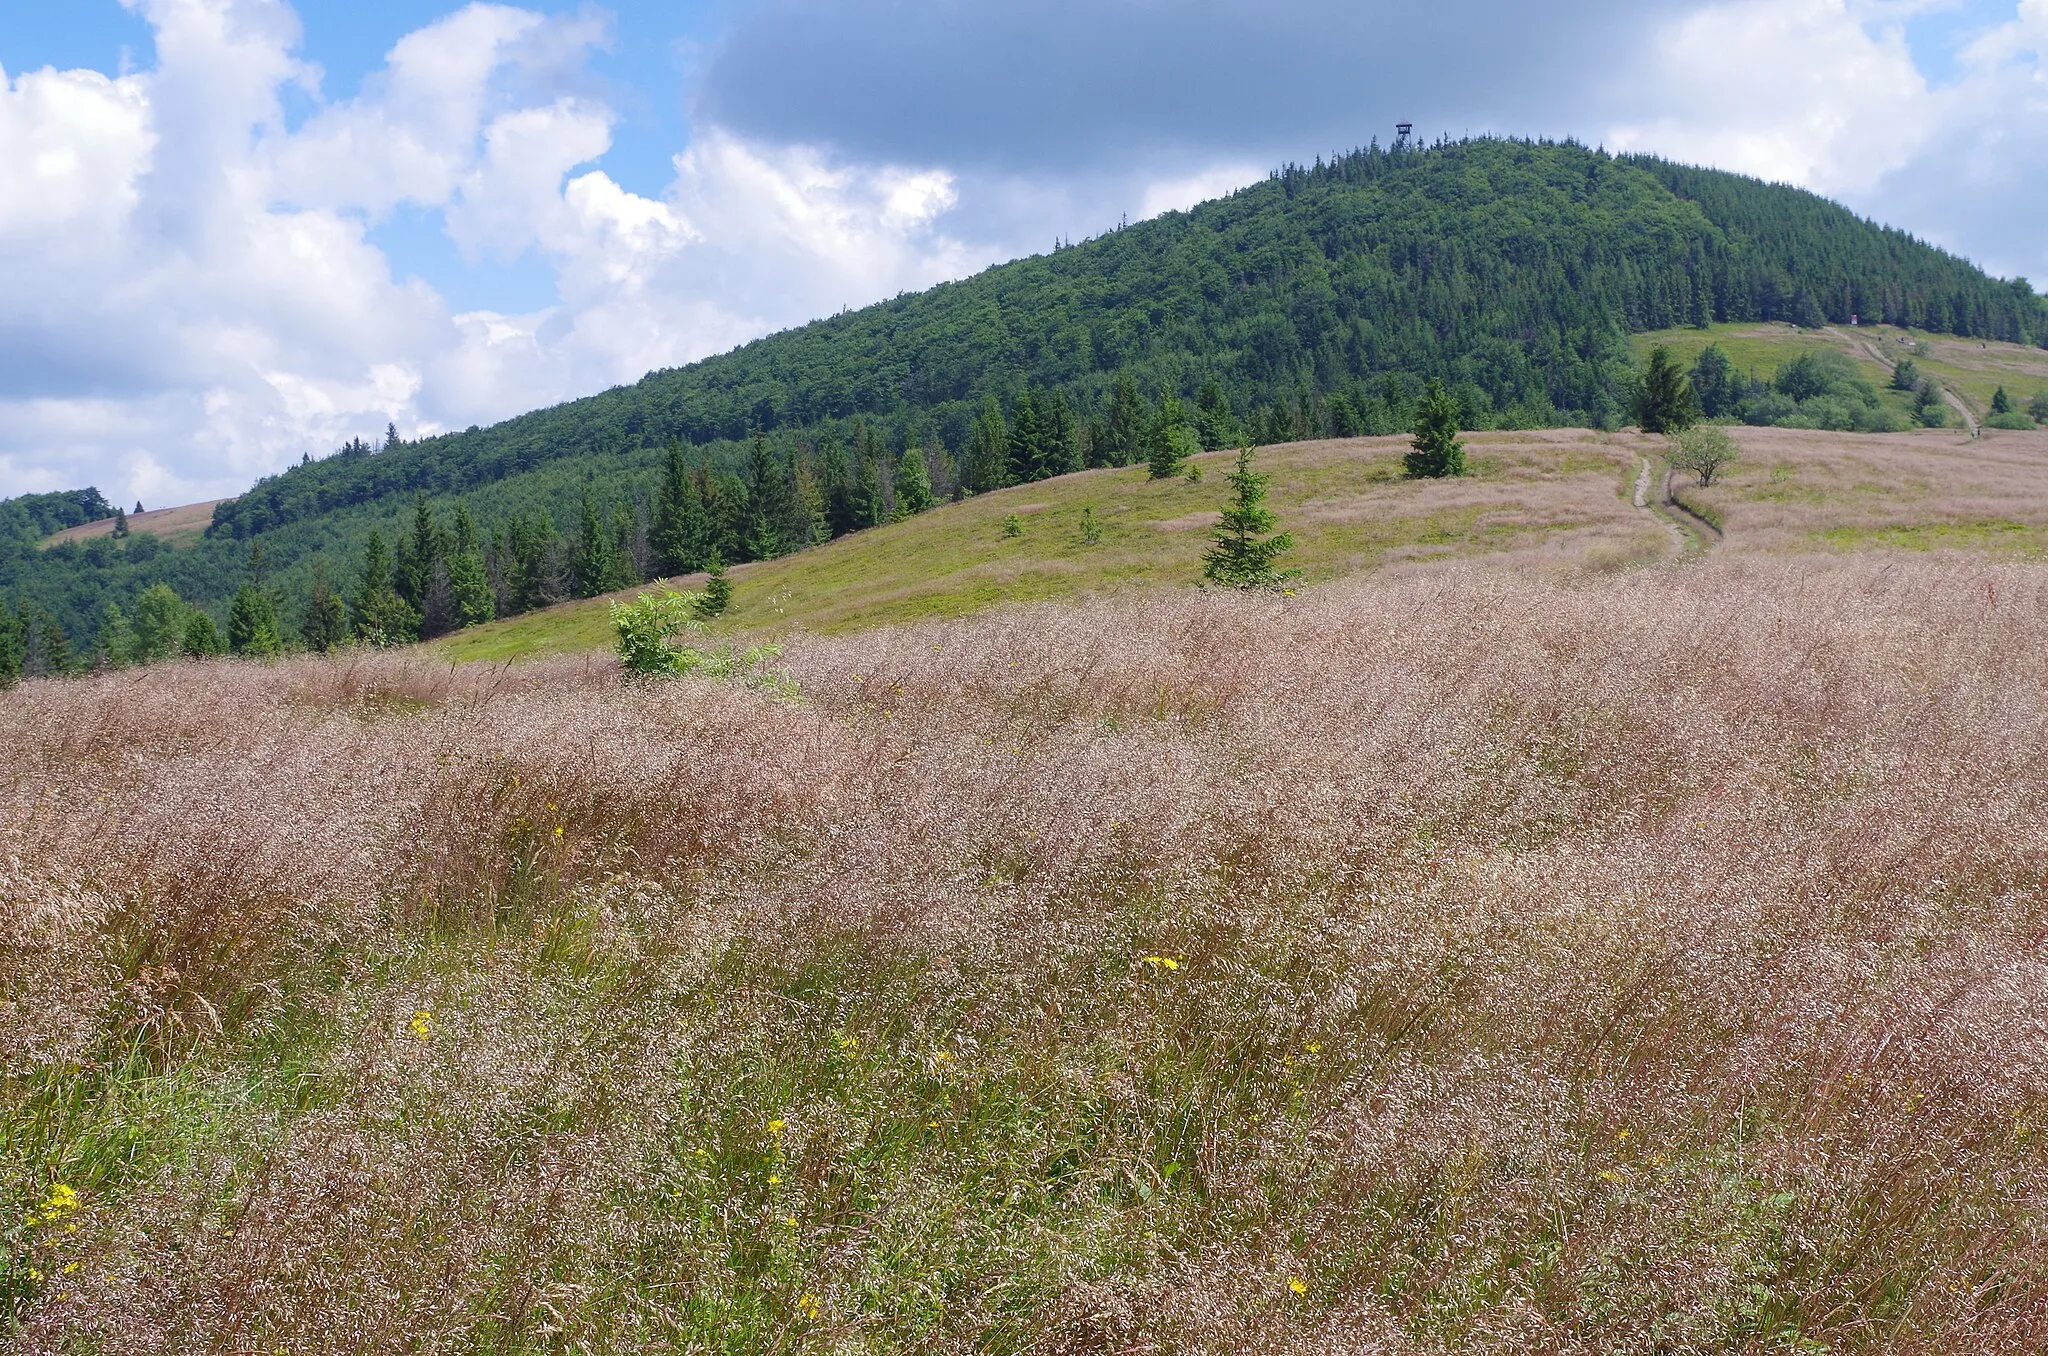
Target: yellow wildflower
1620	1135
1607	1176
776	1127
1297	1285
774	1179
61	1201
790	1220
70	1267
423	1025
1313	1047
558	830
810	1305
1161	962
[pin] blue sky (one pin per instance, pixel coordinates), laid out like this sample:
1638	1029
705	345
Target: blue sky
233	231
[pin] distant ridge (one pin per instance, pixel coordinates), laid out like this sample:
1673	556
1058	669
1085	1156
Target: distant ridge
1306	304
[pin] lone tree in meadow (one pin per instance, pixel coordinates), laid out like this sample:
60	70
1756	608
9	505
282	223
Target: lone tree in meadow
1438	452
1704	450
2001	403
717	594
1243	554
1666	403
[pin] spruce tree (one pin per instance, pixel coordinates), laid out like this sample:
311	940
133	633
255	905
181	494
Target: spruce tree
1714	383
988	450
2001	403
835	480
252	624
471	598
593	566
1243	556
768	508
14	628
1437	450
717	595
1059	443
1026	454
419	555
869	508
671	510
49	648
806	498
202	637
160	620
377	614
116	645
325	624
1666	403
120	523
1165	451
1214	420
1127	426
913	484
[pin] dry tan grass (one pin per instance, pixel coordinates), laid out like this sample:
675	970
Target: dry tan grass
1636	964
179	526
1798	490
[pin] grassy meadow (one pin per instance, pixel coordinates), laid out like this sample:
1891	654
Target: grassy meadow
1553	494
1529	936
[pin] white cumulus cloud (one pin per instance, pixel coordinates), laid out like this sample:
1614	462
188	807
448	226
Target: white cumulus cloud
196	298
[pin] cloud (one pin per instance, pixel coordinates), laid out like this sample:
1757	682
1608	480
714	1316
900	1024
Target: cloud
195	296
195	300
1826	94
1800	91
1068	87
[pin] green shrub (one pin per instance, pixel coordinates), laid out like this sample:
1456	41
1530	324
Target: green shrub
2018	423
648	627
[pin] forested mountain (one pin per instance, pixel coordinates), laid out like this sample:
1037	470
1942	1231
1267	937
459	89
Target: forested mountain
1315	302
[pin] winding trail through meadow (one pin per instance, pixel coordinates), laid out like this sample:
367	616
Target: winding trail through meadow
1686	527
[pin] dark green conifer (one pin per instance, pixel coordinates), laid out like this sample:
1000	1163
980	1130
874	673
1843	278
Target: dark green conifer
2001	403
593	558
1165	445
1242	555
1059	441
252	624
377	615
717	595
14	632
1129	421
1026	454
471	599
913	484
1666	403
202	638
1437	449
870	506
988	450
769	509
160	620
325	624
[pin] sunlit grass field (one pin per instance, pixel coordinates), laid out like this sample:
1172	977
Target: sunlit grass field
1350	509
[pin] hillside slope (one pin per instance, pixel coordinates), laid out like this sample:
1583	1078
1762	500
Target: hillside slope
1309	305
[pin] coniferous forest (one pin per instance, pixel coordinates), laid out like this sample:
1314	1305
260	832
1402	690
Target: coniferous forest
1320	302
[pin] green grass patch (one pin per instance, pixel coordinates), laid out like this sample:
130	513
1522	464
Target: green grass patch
957	560
1998	537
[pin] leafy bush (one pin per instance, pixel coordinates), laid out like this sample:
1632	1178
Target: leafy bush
2018	423
647	628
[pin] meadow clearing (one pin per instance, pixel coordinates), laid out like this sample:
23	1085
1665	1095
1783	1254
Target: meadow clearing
1484	954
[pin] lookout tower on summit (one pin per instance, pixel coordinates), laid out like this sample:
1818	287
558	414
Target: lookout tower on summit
1402	131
